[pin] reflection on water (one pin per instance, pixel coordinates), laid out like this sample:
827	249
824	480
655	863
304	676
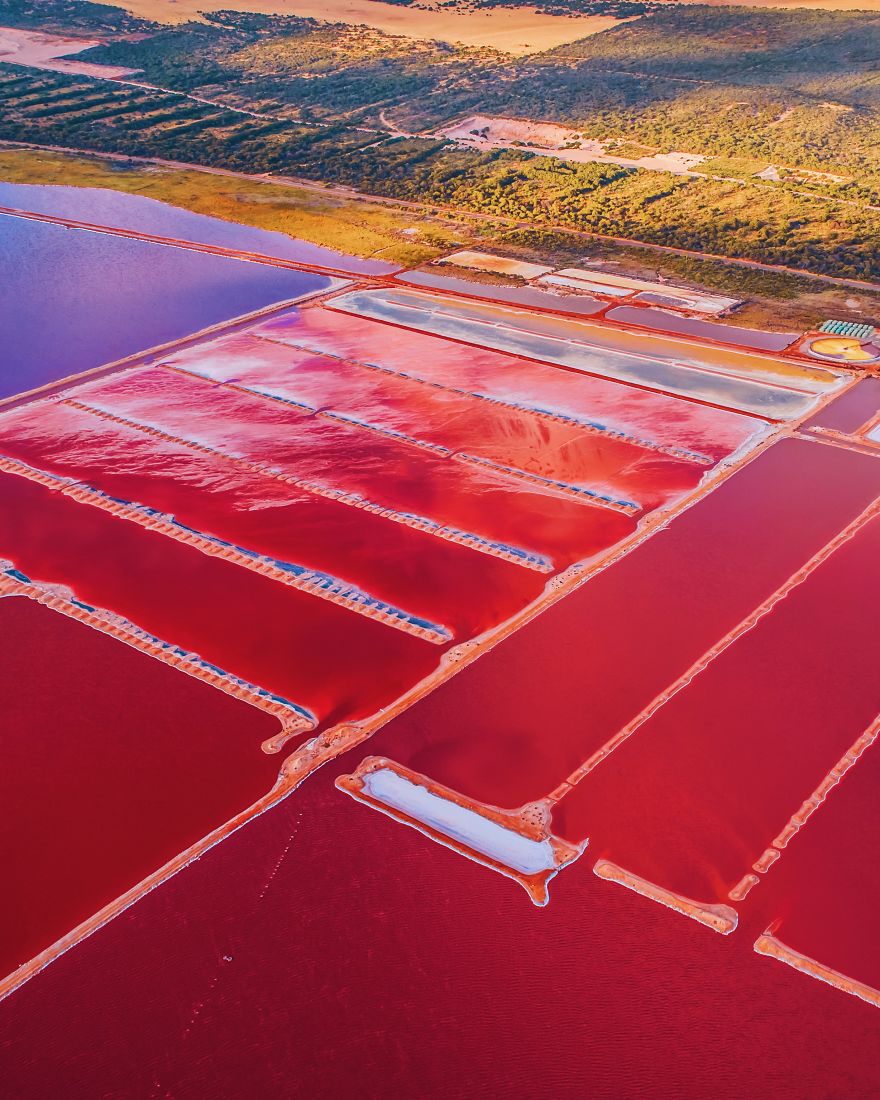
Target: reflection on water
558	341
119	210
72	300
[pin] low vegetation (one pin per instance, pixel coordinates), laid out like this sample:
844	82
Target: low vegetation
359	227
348	225
747	88
69	15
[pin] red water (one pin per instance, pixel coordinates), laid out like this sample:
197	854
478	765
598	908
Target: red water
661	321
852	410
313	653
823	896
511	727
667	420
113	763
385	471
444	582
325	951
699	792
455	420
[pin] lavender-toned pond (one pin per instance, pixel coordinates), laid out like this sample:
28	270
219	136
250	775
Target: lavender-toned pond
71	300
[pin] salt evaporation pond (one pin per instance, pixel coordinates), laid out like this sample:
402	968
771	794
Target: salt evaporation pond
73	300
120	210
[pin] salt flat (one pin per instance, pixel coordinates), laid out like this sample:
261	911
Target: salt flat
44	51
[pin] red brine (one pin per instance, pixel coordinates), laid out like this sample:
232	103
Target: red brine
853	410
699	792
444	582
316	655
463	423
634	411
512	727
341	459
324	944
113	763
821	899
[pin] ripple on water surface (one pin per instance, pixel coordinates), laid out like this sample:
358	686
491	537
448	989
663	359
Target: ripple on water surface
73	300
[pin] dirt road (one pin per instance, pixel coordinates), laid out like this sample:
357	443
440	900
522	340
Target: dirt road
455	213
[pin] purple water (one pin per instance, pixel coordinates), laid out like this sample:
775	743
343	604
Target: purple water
119	210
577	304
71	300
662	321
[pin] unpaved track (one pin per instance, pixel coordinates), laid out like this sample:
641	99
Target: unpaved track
459	215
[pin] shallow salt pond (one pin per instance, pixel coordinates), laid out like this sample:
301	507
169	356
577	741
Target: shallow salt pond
120	210
72	300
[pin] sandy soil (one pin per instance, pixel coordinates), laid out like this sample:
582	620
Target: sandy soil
816	5
551	140
516	31
498	265
40	51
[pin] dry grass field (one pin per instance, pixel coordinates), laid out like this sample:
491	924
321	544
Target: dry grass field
514	30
